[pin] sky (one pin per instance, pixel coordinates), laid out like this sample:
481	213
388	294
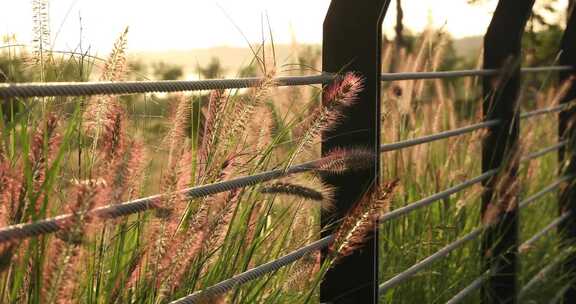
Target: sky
156	25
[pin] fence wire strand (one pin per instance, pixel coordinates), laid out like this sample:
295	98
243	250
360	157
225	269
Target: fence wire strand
52	225
436	197
537	236
544	151
543	274
204	295
138	87
414	269
434	137
477	283
543	111
24	90
25	230
411	271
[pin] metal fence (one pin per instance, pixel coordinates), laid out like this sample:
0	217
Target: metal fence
355	279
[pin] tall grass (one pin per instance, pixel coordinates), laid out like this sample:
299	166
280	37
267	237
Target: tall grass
70	155
416	108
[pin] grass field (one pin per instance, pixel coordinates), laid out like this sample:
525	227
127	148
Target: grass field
70	155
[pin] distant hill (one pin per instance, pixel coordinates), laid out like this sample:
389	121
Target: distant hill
231	58
468	46
234	58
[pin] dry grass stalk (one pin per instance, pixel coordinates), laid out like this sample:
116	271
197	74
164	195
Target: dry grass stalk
212	128
104	117
124	174
340	160
341	94
302	272
505	188
179	122
321	193
15	193
64	254
242	111
115	66
360	220
41	30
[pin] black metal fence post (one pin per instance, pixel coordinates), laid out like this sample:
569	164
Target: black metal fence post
502	50
567	156
351	42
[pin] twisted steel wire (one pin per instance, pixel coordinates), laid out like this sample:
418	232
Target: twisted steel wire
165	86
464	73
436	197
434	137
261	270
51	225
162	86
25	230
541	275
258	271
543	111
538	235
411	271
477	283
252	274
265	268
414	269
544	151
559	296
534	197
462	294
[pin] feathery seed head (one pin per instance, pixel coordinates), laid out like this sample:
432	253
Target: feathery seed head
323	194
344	91
362	219
341	160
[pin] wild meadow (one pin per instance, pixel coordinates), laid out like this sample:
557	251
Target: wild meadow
70	155
417	108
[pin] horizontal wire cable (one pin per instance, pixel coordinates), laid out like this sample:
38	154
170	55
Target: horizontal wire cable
25	230
466	291
544	151
436	197
266	268
160	86
165	86
51	225
290	258
543	111
464	73
559	296
541	275
462	294
434	137
556	68
538	235
203	295
477	283
534	197
229	285
460	131
412	270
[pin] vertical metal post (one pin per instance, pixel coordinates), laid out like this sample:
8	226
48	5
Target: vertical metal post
502	50
567	156
351	42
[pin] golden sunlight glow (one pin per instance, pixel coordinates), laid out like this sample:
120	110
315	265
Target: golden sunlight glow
187	24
